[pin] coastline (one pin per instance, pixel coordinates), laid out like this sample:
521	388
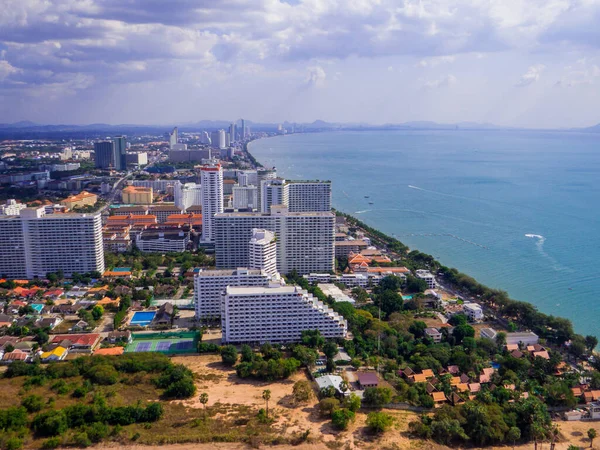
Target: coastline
524	312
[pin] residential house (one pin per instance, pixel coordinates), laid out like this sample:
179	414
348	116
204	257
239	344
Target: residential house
164	315
334	381
6	321
367	379
80	326
120	336
434	334
84	343
58	354
16	355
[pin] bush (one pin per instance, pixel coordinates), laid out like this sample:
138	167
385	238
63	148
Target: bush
13	418
50	423
207	348
180	389
340	418
135	437
82	439
103	374
13	443
51	443
328	405
302	391
378	422
33	403
377	396
97	431
229	355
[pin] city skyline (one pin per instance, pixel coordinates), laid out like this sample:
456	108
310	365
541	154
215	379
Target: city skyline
522	64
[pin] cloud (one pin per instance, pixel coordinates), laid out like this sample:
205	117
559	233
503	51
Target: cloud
583	72
436	61
446	81
315	77
531	76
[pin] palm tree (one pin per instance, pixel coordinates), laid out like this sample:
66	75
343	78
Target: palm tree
204	399
266	395
592	435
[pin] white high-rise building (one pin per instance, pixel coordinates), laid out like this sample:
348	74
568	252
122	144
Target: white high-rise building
11	208
247	178
245	197
232	131
187	194
209	285
211	179
173	137
263	174
276	314
273	192
222	139
205	138
305	241
34	244
227	139
304	196
262	251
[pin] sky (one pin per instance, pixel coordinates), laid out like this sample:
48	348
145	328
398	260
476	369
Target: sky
526	63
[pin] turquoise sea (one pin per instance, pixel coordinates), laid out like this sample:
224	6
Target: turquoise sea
518	210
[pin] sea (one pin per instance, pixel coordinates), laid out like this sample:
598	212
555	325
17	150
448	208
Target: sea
517	210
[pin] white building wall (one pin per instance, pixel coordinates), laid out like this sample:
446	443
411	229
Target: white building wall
309	196
211	177
245	197
263	251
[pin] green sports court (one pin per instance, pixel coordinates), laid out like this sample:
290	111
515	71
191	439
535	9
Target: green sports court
170	343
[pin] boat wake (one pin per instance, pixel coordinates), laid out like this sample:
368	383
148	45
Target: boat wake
540	247
363	211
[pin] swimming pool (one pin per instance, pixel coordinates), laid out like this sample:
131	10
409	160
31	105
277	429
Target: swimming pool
142	318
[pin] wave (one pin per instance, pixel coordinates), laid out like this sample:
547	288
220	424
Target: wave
415	187
536	236
363	211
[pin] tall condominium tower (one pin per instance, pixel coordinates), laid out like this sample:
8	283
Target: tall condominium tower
247	178
262	251
104	154
263	174
273	192
275	314
232	131
243	129
120	153
211	179
209	285
173	137
245	197
34	244
305	241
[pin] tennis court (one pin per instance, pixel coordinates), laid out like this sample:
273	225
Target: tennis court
166	342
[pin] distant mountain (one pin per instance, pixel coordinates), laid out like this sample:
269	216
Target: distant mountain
594	129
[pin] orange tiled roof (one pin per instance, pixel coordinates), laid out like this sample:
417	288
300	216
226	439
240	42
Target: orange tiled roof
110	351
388	269
438	396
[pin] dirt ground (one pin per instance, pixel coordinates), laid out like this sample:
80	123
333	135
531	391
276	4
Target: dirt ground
223	386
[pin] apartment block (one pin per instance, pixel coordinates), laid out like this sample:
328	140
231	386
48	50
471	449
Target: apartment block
211	179
136	195
427	276
276	314
245	197
210	284
263	251
34	244
304	240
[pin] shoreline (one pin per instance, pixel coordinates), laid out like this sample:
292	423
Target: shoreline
392	241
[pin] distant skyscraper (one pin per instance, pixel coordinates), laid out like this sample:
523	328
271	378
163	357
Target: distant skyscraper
205	138
104	154
243	129
214	139
227	139
232	130
211	179
120	152
173	137
222	141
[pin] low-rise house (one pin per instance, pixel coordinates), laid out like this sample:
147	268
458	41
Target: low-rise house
84	343
16	355
120	336
334	381
6	320
474	387
456	399
488	333
367	379
434	334
57	354
66	309
523	338
48	322
164	315
82	325
109	303
473	312
438	397
53	294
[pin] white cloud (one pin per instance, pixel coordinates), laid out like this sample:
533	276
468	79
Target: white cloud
531	76
315	77
446	81
436	61
6	70
584	72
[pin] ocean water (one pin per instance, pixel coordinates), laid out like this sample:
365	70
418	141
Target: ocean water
517	210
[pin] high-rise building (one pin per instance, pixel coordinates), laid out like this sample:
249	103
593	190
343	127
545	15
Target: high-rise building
273	192
34	244
104	154
205	138
305	241
227	139
262	251
214	139
188	194
11	208
245	197
247	178
276	314
263	174
232	131
209	285
222	139
211	179
243	129
120	162
305	196
173	137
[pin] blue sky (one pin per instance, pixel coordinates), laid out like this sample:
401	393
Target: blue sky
511	62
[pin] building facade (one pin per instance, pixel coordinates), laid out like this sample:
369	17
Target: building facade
104	154
276	314
245	197
136	195
262	251
34	244
211	179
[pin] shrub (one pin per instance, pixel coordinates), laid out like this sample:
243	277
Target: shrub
50	423
82	439
328	405
13	418
377	396
302	391
97	431
51	443
13	443
229	355
180	389
378	422
340	418
103	374
33	403
135	437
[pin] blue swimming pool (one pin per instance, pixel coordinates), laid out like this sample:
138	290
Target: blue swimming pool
142	318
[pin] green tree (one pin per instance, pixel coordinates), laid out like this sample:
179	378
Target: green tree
247	353
591	342
377	396
352	402
97	312
341	418
330	349
378	422
229	355
328	405
266	395
33	403
204	399
312	338
591	434
513	435
302	391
